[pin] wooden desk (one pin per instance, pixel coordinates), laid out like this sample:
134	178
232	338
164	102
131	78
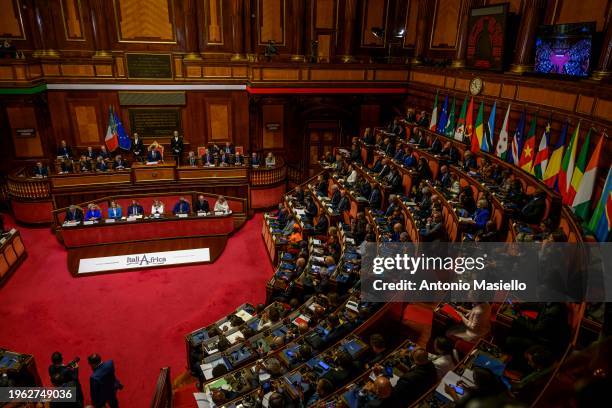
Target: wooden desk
59	181
12	254
148	173
145	236
204	172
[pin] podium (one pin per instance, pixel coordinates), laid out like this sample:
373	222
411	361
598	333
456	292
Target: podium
162	171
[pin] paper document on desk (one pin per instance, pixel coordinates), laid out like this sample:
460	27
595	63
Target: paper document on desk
244	315
465	219
300	211
234	337
451	378
152	163
203	400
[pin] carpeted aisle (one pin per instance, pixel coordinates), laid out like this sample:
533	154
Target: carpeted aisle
138	319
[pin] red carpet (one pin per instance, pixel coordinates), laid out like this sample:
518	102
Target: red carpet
138	319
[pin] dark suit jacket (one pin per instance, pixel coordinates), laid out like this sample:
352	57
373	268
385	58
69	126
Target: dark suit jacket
321	227
469	164
103	384
137	147
76	216
132	210
412	385
42	171
344	204
176	145
335	199
376	199
154	155
534	210
64	151
202	206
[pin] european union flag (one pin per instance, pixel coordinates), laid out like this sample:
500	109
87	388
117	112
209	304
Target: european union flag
124	140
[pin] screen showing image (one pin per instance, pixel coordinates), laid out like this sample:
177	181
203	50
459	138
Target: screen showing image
564	49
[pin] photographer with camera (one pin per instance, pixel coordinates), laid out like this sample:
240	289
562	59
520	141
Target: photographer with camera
66	375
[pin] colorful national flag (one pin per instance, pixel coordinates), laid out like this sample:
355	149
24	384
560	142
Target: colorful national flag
517	141
501	150
441	126
567	166
449	131
582	201
460	128
601	221
476	139
112	139
125	142
541	159
489	131
579	169
554	161
434	115
528	154
469	121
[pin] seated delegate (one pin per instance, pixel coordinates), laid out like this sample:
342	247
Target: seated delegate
114	210
40	170
74	214
222	205
182	207
93	213
201	205
157	209
135	209
154	155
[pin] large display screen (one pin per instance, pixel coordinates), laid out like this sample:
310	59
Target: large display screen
564	49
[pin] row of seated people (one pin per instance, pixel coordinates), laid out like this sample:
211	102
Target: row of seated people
115	211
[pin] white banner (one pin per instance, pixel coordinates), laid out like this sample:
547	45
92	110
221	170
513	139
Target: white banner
143	260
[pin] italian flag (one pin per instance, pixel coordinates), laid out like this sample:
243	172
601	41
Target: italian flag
567	166
582	202
579	169
433	122
528	154
112	136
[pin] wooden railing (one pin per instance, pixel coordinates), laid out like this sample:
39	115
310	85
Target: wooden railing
267	176
163	390
21	186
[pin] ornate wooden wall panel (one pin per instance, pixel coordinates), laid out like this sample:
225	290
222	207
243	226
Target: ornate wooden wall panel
325	43
72	18
411	23
576	11
273	138
11	20
445	24
374	14
24	117
219	116
325	14
271	21
214	22
145	20
85	123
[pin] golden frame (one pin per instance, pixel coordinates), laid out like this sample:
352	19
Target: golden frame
80	10
118	28
23	33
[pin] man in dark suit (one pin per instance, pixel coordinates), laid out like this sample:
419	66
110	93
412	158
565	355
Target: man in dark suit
202	205
321	188
344	204
138	147
335	198
177	145
62	374
182	207
311	209
414	383
103	383
74	213
535	208
40	170
101	164
208	159
375	197
322	225
64	150
444	179
104	154
90	154
66	165
120	163
135	209
434	229
449	153
229	148
469	162
154	155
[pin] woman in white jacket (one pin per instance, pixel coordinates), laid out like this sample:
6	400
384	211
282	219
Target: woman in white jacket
221	205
